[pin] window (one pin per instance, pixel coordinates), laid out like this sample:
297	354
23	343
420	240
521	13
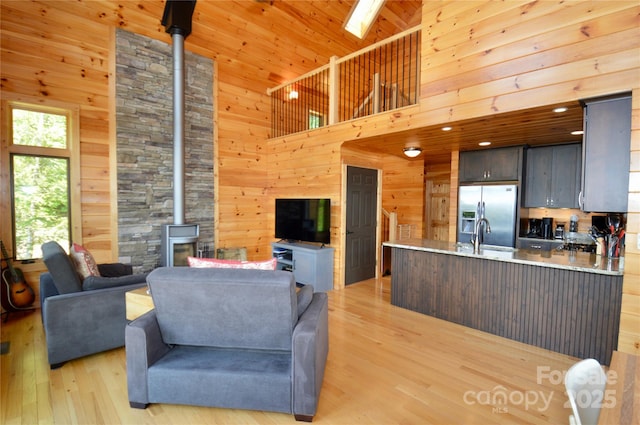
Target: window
40	162
362	15
316	119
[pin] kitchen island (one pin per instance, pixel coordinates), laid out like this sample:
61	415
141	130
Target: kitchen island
568	302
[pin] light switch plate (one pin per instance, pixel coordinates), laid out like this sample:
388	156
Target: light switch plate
638	241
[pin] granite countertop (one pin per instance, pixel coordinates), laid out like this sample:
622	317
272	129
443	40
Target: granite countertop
572	260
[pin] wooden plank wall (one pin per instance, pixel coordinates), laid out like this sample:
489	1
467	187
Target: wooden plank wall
404	191
629	339
77	73
44	59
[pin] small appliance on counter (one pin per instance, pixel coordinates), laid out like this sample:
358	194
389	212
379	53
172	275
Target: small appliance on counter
599	223
547	228
559	233
573	236
580	246
573	226
535	228
583	242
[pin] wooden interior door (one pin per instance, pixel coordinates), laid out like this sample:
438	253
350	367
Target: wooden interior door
436	220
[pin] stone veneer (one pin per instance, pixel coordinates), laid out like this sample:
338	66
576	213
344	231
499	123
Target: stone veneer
144	126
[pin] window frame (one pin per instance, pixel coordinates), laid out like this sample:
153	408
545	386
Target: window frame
321	117
71	153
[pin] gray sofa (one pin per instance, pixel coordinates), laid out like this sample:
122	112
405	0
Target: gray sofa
82	317
229	338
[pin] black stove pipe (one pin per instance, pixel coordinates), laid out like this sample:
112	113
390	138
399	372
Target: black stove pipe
177	16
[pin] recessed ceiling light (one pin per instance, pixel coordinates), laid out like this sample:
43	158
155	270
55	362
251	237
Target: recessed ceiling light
484	143
577	133
447	128
561	109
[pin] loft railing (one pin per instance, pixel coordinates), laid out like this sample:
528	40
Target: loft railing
380	78
389	225
389	233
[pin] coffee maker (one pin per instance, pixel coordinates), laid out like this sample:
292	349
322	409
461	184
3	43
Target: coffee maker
535	228
547	227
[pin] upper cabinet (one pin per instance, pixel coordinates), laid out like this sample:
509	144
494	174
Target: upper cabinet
607	141
553	176
491	165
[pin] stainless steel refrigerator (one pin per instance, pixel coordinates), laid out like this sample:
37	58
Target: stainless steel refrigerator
500	208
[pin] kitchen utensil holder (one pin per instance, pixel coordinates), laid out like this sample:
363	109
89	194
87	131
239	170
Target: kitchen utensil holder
614	246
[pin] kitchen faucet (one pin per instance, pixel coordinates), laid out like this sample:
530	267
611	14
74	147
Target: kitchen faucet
477	234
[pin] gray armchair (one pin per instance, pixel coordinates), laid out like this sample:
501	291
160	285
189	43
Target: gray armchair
229	338
82	317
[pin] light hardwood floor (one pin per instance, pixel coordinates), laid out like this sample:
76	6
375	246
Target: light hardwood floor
386	365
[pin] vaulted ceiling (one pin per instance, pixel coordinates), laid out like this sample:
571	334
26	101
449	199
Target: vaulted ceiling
277	39
260	44
267	41
285	39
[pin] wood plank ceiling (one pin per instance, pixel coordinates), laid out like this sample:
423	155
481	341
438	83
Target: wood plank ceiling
532	127
291	38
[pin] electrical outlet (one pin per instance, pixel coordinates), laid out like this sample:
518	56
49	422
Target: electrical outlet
638	241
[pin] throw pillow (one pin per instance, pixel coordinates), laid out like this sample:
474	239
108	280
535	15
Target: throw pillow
232	264
83	261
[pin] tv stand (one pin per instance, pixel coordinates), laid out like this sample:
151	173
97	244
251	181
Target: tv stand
310	264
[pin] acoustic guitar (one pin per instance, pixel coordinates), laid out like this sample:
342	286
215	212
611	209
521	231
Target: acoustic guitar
16	292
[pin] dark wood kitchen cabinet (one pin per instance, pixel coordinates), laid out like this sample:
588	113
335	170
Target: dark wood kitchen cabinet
552	176
607	145
491	165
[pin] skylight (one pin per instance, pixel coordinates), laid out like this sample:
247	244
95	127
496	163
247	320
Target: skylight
362	15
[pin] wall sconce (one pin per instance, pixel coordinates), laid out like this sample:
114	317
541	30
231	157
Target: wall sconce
412	152
293	95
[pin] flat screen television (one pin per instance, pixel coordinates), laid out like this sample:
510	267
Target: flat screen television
304	220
